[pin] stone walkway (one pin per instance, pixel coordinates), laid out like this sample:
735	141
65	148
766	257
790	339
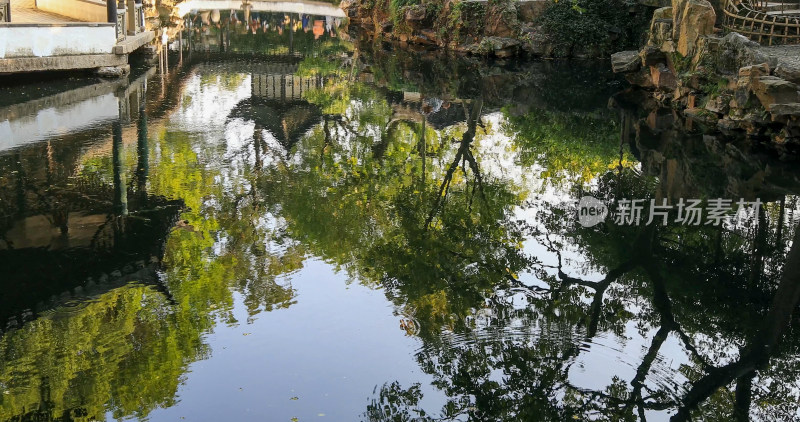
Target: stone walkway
785	12
787	57
784	53
24	11
786	7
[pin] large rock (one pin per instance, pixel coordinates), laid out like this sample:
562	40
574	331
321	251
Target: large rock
664	13
663	78
701	115
423	38
643	78
736	51
416	13
707	48
652	56
692	19
754	71
791	109
719	104
501	20
626	61
748	75
678	7
741	99
530	11
772	90
660	34
660	27
537	43
497	46
788	71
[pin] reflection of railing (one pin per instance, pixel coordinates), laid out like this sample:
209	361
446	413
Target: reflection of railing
766	22
5	11
282	86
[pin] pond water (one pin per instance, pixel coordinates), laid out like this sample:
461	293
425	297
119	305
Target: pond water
297	225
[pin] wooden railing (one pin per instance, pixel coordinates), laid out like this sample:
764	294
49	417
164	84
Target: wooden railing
776	6
790	8
128	15
139	18
755	20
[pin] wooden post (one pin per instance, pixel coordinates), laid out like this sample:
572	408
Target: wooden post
180	46
5	11
130	12
142	148
111	11
120	190
291	34
221	40
139	15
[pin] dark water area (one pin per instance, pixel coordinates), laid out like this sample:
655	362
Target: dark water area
297	225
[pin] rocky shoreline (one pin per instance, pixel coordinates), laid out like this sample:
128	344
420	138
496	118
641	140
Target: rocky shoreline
726	82
494	28
729	82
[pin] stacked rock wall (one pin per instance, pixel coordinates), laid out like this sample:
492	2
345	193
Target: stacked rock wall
729	82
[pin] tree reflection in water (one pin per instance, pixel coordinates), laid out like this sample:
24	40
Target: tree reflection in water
504	349
450	185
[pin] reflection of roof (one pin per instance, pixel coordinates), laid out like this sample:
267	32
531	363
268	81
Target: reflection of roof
97	253
447	117
288	121
63	112
440	119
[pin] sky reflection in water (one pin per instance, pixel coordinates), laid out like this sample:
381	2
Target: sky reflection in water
337	231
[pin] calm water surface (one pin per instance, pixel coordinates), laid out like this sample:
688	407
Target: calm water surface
298	226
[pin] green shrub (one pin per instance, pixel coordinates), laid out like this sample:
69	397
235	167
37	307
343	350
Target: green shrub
464	18
601	26
396	8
